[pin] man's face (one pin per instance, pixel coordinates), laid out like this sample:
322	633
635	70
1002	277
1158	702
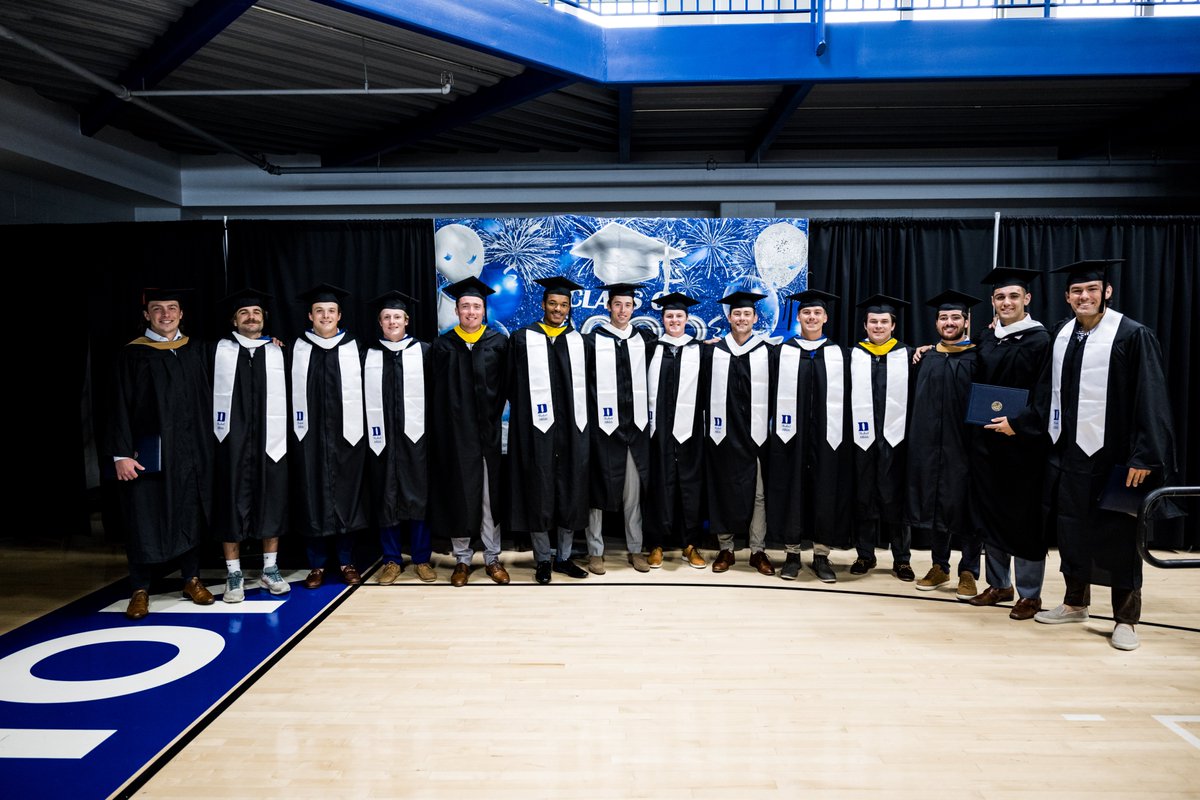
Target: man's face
1009	303
325	318
394	323
951	325
556	308
741	321
163	317
880	327
249	321
470	313
620	311
812	320
674	321
1087	299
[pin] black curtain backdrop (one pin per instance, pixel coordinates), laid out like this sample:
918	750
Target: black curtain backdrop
914	259
366	258
911	258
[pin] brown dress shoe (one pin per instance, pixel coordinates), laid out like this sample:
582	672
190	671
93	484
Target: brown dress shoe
497	573
350	575
693	558
425	572
724	560
655	558
389	573
991	596
762	563
315	578
197	593
1025	608
460	574
139	605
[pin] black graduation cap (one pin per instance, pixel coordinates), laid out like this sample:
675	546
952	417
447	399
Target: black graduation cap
741	299
150	295
469	287
813	297
392	299
882	304
1010	276
1095	269
557	284
324	293
953	300
621	289
675	301
244	298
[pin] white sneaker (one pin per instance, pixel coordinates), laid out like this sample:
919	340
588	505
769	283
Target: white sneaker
234	591
1060	615
1124	637
274	582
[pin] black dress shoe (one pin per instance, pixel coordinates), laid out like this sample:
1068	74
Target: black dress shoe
862	566
570	569
824	569
791	567
542	573
904	572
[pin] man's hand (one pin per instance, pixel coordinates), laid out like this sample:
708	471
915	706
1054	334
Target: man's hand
1136	476
1000	424
277	342
128	469
920	351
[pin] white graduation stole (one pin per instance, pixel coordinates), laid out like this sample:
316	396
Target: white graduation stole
759	388
785	394
578	377
607	409
1093	382
225	377
862	397
413	369
351	377
541	403
685	397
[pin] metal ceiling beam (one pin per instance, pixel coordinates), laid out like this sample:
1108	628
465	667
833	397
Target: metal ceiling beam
196	28
500	96
624	123
537	35
776	118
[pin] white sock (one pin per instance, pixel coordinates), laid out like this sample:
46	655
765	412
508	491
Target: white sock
233	565
269	560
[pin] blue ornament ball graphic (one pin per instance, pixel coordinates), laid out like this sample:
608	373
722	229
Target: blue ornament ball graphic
508	288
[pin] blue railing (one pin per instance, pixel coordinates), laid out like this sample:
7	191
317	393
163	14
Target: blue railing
875	7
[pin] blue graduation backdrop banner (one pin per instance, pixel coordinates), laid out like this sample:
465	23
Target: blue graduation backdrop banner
705	258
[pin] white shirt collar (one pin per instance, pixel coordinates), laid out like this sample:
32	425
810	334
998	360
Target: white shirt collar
151	335
1026	324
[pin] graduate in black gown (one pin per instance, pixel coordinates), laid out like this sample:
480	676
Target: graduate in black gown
470	364
735	449
396	372
160	442
1006	471
937	444
548	431
250	422
1103	395
880	367
619	421
328	446
810	481
676	387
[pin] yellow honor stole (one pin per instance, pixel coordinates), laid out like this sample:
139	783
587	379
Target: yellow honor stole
551	332
174	345
470	338
878	349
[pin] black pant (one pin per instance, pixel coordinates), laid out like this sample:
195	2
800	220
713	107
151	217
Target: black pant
1126	603
140	575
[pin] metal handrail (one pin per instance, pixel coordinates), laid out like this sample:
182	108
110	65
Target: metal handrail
1145	527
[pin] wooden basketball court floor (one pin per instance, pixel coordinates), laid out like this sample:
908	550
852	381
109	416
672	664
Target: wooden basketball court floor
682	683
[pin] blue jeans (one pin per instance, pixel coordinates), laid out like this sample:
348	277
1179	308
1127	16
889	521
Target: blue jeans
318	549
1029	573
421	541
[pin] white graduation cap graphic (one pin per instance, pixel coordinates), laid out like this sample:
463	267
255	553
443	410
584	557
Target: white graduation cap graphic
622	255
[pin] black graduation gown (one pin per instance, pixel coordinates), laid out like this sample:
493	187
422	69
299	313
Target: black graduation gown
676	470
163	396
810	486
466	404
327	471
548	488
1100	546
1007	471
879	471
731	466
398	477
608	453
250	491
937	441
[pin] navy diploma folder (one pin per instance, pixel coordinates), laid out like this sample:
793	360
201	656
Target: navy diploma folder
987	402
